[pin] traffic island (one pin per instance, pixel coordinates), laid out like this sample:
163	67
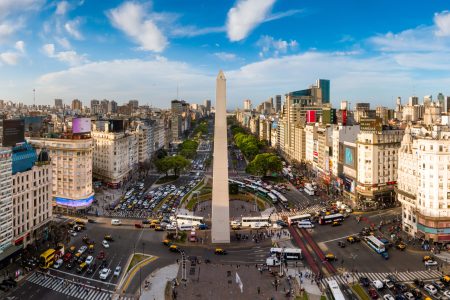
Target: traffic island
134	263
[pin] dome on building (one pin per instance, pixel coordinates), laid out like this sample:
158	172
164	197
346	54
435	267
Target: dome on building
43	156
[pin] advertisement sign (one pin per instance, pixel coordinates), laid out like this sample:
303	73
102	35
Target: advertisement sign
81	125
310	116
33	123
74	203
371	124
349	156
13	132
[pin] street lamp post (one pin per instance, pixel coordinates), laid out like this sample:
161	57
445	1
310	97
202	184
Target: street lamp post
140	267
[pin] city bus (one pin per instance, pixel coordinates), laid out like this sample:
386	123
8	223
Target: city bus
262	191
255	222
297	218
335	290
288	253
47	259
281	197
377	245
331	218
272	197
308	190
189	220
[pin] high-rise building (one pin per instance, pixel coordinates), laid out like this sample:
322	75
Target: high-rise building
441	101
324	86
208	106
32	193
6	204
247	104
423	189
112	107
104	104
427	100
447	107
377	162
95	106
134	104
277	103
71	161
413	100
58	103
76	105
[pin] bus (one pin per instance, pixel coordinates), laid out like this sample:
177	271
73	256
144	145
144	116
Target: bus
377	245
335	290
281	197
47	259
308	190
297	218
272	197
189	220
262	191
331	218
255	222
288	253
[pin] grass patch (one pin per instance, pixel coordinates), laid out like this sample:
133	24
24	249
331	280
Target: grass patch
166	179
360	291
191	191
323	297
135	260
243	197
304	296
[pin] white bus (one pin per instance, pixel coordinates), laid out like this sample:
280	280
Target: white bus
309	190
272	197
375	244
297	218
335	290
189	220
255	222
331	218
305	224
281	197
288	253
262	191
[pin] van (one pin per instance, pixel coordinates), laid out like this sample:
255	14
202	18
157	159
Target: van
305	224
272	261
185	227
116	222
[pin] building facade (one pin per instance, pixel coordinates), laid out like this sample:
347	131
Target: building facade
6	204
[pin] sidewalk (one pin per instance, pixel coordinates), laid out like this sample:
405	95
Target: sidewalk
158	281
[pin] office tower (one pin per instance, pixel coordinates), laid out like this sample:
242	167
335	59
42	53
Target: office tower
208	106
414	100
134	104
427	100
76	105
95	107
324	86
112	107
448	104
58	103
247	104
220	198
104	104
441	101
277	103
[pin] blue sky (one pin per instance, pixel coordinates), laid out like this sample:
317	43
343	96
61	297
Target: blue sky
370	50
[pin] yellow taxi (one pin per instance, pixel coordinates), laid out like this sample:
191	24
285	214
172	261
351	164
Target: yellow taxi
445	279
173	248
426	258
235	227
401	246
220	251
330	257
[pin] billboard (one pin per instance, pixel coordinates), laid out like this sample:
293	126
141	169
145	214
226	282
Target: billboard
349	156
13	132
371	124
33	123
81	125
310	116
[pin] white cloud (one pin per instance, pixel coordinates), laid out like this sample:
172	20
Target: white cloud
245	16
72	28
132	19
63	42
10	58
9	7
271	46
283	14
62	8
442	23
191	31
71	57
20	46
226	56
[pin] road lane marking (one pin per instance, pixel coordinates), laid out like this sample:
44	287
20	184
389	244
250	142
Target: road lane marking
74	275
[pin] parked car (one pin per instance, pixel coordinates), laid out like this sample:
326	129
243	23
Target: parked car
430	289
105	243
58	263
430	263
388	297
378	284
364	281
117	271
104	273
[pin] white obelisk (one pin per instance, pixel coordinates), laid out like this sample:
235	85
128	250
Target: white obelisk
220	232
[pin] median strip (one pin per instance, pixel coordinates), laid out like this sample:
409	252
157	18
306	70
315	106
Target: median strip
125	282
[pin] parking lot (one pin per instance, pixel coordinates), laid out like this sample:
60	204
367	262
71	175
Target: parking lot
158	201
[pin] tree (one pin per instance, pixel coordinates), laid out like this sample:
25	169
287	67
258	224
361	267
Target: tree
264	163
160	153
179	163
188	148
164	165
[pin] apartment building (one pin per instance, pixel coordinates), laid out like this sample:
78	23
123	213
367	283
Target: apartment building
6	204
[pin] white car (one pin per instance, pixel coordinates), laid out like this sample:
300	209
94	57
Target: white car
446	293
388	297
377	284
58	263
430	289
82	249
105	244
104	273
388	283
117	271
89	259
72	233
431	263
409	296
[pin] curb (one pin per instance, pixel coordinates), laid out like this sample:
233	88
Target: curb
128	277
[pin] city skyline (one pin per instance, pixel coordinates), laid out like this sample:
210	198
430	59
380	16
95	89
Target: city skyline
119	49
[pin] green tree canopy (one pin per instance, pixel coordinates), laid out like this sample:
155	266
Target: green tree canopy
264	163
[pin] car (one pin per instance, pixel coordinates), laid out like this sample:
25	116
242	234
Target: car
58	263
104	273
426	257
137	225
400	246
67	257
430	263
336	223
173	248
72	233
108	238
83	266
220	251
105	244
430	289
401	287
159	228
101	255
330	257
392	278
364	281
373	293
89	259
82	249
417	293
445	279
341	244
92	268
409	296
439	285
388	283
388	297
419	282
446	293
378	284
104	264
117	271
353	239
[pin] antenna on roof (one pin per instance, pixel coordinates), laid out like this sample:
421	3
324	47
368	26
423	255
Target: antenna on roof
177	91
